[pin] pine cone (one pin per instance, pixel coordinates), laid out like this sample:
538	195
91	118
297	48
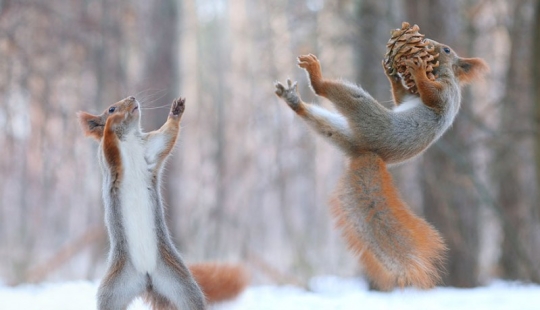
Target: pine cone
407	43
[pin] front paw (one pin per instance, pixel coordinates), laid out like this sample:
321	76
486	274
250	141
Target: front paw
311	64
391	73
177	108
416	65
289	94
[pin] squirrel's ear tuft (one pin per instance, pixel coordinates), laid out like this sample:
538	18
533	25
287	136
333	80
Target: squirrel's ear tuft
469	69
92	125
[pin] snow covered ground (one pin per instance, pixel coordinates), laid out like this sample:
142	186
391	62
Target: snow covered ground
325	293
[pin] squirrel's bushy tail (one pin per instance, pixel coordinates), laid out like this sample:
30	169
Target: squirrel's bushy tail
219	282
395	246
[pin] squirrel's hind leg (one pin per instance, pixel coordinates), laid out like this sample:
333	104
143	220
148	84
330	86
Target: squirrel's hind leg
173	282
120	286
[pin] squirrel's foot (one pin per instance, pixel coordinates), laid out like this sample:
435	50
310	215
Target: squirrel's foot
289	94
177	108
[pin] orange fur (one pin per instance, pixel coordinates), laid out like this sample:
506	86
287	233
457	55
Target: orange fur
428	90
219	282
313	68
395	246
301	110
111	149
375	271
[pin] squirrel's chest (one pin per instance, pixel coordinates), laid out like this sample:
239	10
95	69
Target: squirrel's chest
138	207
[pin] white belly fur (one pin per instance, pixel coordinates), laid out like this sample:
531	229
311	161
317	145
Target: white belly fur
408	103
137	210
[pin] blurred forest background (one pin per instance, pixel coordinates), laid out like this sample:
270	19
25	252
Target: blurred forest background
248	181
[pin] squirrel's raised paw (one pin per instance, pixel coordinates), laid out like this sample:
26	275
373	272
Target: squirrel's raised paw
308	62
416	64
178	106
282	91
311	64
391	73
288	93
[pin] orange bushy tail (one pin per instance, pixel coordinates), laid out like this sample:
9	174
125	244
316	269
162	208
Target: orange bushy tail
219	282
395	246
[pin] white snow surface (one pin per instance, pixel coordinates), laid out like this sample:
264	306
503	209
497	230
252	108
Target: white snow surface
324	293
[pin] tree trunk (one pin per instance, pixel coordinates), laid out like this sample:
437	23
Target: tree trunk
449	200
161	76
515	195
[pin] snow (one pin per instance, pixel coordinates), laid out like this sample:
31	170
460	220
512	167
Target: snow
324	293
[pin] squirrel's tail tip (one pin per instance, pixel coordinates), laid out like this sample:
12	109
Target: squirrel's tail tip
220	281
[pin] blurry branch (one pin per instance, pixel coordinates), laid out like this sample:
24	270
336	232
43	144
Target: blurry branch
64	254
489	200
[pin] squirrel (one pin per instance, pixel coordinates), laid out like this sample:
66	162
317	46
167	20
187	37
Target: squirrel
142	258
396	247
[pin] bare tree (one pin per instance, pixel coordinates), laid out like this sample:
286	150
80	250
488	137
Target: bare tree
449	201
248	181
516	192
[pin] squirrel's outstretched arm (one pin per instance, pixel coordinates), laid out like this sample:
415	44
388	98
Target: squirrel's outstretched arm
161	142
332	126
350	100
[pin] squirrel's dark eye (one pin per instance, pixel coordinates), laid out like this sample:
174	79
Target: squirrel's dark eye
111	109
446	50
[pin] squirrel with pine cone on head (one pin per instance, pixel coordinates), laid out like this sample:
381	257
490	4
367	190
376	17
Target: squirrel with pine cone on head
396	247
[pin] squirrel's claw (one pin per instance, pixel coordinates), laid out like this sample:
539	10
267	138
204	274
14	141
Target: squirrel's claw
291	84
280	89
178	106
305	61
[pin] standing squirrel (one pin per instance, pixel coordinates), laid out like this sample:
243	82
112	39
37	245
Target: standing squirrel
142	257
395	246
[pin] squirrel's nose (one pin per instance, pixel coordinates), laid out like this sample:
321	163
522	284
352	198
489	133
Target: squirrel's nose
131	98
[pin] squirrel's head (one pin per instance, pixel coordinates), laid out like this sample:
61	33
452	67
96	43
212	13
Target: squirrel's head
93	125
466	70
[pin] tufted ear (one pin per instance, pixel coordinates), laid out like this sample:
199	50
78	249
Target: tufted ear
469	69
92	125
